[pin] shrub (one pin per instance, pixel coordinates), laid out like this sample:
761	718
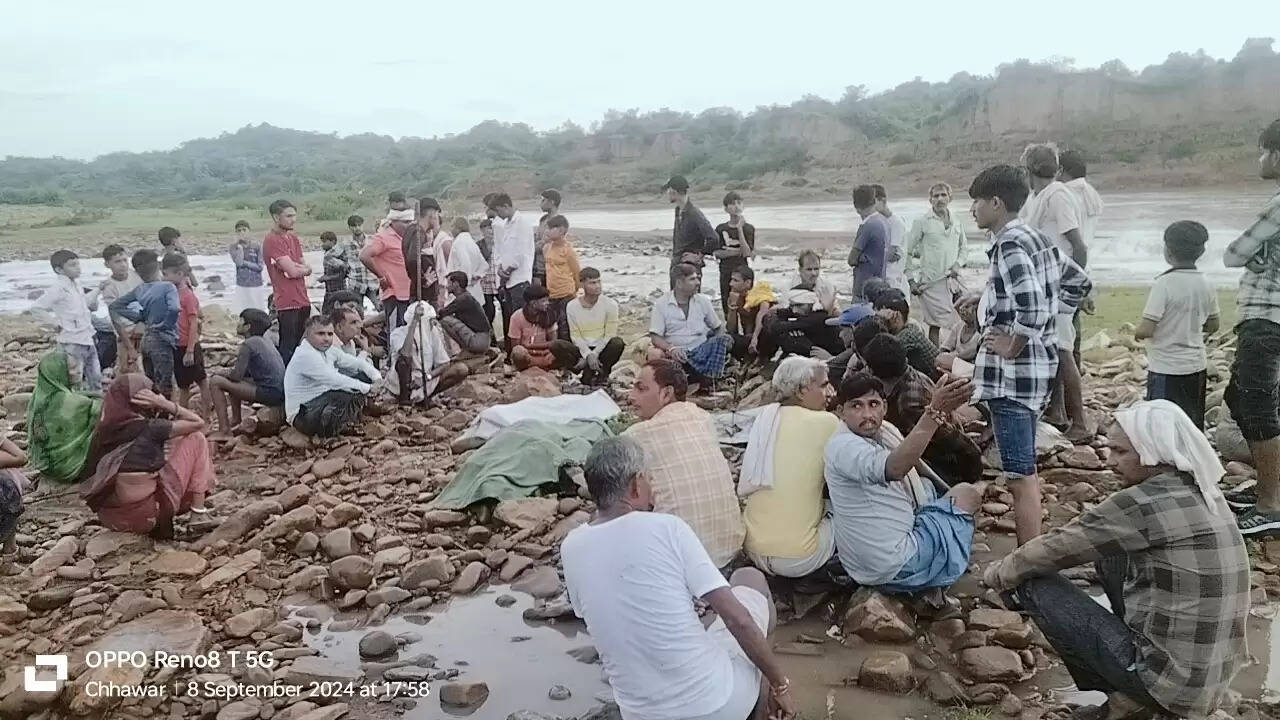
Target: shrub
30	196
1180	150
901	158
331	206
1127	156
79	216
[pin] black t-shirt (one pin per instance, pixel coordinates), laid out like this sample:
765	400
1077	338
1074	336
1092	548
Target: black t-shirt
729	239
147	452
468	310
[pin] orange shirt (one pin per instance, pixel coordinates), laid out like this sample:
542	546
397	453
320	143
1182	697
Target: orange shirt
562	269
388	260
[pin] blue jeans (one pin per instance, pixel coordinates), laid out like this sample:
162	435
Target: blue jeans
1015	431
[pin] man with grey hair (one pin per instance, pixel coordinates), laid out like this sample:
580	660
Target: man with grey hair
659	659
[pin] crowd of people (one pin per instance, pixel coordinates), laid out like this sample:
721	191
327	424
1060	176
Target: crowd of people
862	471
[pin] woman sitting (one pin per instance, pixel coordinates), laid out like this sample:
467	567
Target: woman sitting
788	527
12	486
149	460
60	421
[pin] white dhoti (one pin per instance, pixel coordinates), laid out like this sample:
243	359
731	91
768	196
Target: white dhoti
429	348
249	297
936	305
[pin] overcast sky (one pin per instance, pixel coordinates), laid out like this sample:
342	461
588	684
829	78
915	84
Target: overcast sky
82	78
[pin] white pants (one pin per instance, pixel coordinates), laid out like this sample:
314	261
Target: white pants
801	566
250	297
746	676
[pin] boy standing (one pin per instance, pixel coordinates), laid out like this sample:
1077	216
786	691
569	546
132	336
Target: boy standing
170	243
125	353
562	271
737	245
895	256
1181	309
188	356
155	304
65	305
335	268
247	256
359	280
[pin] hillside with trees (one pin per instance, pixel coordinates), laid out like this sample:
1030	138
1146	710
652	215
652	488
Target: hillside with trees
1191	120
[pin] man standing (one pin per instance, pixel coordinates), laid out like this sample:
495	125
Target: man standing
1254	391
122	281
737	245
895	255
384	257
1053	211
1018	361
936	249
870	246
359	280
549	203
1071	171
513	252
247	257
692	236
288	272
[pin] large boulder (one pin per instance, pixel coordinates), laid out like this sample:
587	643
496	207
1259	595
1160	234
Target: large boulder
877	617
991	664
886	670
526	513
534	382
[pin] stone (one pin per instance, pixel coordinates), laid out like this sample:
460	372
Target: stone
328	467
969	639
392	556
300	519
990	664
306	578
294	496
1010	706
240	523
248	622
526	513
473	389
947	629
1083	457
534	382
944	689
443	518
50	599
1016	636
239	710
505	600
454	420
342	514
12	612
995	509
377	645
886	670
176	633
992	618
418	572
234	568
55	557
387	595
339	544
15	404
295	439
566	525
559	692
306	544
463	694
514	565
351	572
586	654
314	668
1079	492
471	576
134	603
541	582
876	617
105	543
182	563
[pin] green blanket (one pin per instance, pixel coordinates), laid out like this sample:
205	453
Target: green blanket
520	459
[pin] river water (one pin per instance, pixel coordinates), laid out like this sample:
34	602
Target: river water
1126	251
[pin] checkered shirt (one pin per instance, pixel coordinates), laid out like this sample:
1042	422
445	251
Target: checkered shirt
359	278
691	477
1186	586
1259	297
1022	299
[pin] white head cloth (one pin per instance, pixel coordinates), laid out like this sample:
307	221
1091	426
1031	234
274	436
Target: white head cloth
1163	435
401	215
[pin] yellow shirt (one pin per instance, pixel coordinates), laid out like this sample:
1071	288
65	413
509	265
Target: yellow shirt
783	521
562	269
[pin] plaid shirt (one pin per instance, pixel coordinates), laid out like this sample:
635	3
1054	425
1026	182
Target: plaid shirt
922	354
359	278
1187	584
1022	298
691	478
1257	250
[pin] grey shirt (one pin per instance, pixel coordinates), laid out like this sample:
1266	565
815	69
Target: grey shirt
260	361
872	516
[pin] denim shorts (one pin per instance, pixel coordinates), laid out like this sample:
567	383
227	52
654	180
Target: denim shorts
1015	431
1253	395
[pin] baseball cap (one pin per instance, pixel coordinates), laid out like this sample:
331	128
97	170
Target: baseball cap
677	183
851	316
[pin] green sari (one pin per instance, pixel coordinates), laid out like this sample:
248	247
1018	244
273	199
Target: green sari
60	422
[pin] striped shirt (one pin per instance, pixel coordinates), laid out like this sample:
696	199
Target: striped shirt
1186	586
691	478
1028	280
1256	251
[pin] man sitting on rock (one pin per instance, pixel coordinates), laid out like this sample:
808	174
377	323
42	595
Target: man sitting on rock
892	309
318	399
420	364
890	530
1172	563
593	328
685	328
532	333
907	393
798	325
690	475
659	659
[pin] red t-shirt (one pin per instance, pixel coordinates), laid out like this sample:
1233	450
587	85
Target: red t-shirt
188	314
388	259
290	293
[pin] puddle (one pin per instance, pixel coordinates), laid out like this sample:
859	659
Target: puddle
475	636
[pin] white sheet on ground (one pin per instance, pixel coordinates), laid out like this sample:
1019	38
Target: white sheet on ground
560	409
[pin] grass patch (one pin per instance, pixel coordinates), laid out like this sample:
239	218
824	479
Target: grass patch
1119	305
968	713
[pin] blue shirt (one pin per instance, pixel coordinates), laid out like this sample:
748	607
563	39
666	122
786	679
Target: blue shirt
248	260
154	304
871	242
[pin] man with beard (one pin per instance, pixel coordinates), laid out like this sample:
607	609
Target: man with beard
533	335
